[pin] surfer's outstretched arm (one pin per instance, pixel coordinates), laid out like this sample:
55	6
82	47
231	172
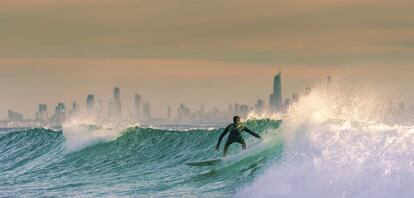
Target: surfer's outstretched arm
226	130
252	133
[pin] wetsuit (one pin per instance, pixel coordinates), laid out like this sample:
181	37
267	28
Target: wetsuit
235	135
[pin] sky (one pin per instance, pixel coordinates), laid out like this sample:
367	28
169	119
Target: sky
198	52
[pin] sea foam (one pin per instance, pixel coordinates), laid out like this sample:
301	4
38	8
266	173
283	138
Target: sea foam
84	130
338	144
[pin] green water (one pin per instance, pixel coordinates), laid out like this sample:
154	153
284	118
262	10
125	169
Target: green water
141	162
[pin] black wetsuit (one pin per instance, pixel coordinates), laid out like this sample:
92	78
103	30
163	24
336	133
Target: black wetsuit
235	134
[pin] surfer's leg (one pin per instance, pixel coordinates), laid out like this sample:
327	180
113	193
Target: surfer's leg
226	147
240	140
243	144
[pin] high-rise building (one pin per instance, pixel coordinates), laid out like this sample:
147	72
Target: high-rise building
74	109
60	114
115	105
236	109
14	116
259	106
183	113
244	111
90	102
328	82
137	106
169	113
275	100
42	114
147	111
117	94
74	106
286	104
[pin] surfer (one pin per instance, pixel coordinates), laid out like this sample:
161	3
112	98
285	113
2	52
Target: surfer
235	130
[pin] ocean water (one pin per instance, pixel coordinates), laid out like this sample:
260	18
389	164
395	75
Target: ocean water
335	143
341	143
143	162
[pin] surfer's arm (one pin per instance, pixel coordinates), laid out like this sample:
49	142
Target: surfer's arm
251	132
226	130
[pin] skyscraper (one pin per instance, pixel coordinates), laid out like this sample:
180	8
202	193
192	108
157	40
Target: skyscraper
183	113
42	114
329	82
259	106
147	111
236	109
286	104
115	105
60	113
90	102
117	94
244	111
14	116
137	106
169	113
74	106
275	99
74	109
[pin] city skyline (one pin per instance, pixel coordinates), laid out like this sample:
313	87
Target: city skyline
206	85
142	108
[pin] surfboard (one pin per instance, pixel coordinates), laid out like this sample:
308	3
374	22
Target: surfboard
209	162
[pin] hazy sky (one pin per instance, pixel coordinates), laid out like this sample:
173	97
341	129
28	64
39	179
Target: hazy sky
212	52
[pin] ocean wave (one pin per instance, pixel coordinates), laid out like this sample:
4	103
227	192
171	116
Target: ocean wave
147	161
339	143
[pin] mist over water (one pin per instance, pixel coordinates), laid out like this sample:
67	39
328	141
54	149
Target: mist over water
340	143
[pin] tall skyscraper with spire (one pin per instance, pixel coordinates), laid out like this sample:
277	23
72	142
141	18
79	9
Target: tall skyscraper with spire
275	100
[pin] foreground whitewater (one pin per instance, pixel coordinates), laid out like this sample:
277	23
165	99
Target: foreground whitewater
332	143
341	143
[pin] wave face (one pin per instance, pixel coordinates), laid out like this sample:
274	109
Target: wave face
130	161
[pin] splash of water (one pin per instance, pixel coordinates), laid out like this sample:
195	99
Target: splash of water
84	130
338	145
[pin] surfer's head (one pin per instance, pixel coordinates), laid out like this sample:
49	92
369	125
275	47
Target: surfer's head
236	119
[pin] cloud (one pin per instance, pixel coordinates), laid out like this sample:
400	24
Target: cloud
265	32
